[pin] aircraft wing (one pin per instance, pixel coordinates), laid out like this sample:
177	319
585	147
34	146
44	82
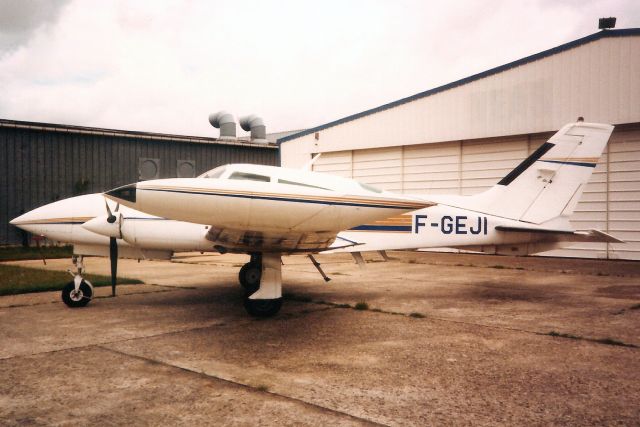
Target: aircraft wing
236	240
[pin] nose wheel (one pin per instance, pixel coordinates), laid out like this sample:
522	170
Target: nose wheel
79	297
261	279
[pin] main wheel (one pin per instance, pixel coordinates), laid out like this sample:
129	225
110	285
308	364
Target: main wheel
249	277
262	307
79	298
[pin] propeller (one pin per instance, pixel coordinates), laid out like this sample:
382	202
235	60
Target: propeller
113	249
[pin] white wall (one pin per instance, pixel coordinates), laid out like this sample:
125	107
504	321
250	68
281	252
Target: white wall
599	80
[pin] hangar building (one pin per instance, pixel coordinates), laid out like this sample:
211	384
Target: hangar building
461	138
42	162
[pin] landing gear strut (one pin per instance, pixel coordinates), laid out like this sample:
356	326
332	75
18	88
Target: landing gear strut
262	280
79	291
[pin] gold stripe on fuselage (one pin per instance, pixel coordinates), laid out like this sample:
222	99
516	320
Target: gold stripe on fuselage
344	199
55	220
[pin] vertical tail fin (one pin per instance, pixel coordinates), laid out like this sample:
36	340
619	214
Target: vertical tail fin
547	184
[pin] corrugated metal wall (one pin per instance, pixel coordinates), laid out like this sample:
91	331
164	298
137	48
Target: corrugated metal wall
611	200
41	166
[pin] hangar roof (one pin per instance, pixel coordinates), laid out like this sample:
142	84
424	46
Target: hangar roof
558	49
50	127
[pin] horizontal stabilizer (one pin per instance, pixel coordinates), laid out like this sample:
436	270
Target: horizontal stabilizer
565	235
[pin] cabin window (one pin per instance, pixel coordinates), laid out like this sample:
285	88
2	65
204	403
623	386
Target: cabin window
249	177
370	188
284	181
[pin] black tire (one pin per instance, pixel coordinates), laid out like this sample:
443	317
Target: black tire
249	277
262	307
79	299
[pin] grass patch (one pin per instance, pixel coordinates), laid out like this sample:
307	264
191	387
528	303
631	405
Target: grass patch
22	280
361	306
16	253
417	315
499	267
262	387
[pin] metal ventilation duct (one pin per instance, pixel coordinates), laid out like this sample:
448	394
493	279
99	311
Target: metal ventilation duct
224	121
256	125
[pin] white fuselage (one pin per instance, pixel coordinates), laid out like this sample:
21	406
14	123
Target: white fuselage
265	199
148	236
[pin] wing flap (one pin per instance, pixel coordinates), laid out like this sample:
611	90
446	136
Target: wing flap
564	235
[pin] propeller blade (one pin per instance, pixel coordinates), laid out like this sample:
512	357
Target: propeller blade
113	257
112	218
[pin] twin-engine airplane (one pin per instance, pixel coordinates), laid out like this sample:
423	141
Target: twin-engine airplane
268	211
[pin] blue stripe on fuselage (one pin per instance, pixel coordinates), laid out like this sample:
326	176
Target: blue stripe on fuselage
405	228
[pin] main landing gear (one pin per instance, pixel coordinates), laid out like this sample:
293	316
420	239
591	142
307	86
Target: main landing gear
261	279
79	291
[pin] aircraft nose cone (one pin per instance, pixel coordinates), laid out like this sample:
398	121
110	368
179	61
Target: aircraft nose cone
19	219
125	193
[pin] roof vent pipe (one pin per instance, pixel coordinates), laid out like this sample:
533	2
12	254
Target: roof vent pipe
224	121
256	125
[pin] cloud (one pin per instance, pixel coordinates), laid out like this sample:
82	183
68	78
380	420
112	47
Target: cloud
20	19
165	65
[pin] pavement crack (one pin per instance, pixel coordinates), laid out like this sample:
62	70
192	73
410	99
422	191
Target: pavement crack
416	315
245	386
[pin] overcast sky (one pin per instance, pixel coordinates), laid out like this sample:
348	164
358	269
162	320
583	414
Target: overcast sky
163	66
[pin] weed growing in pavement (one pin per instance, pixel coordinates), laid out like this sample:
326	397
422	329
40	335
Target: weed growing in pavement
362	306
607	341
563	335
611	341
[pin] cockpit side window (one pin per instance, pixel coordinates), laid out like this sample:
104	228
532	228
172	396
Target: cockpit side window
284	181
249	177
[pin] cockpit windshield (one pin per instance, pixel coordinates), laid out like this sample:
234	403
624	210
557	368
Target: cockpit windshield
214	173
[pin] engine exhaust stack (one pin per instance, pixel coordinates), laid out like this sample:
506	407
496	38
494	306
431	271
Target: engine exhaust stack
224	121
257	127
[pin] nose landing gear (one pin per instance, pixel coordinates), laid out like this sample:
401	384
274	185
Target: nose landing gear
79	291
